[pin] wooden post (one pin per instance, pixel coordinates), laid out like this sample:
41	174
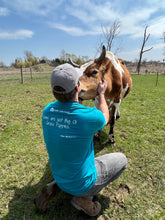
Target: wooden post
21	75
31	73
157	78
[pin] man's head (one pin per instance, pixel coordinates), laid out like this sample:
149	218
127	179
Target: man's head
64	79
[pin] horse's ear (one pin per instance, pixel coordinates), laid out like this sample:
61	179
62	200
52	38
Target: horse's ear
102	56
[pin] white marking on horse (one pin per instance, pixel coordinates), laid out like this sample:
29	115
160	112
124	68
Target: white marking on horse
124	90
110	103
115	62
111	136
116	108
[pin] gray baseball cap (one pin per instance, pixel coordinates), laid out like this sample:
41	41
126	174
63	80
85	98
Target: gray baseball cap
65	76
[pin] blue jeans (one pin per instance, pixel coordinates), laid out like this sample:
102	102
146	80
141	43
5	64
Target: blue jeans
109	167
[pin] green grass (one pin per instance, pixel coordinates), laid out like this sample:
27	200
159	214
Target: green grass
139	193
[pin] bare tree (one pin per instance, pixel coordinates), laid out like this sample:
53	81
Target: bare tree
164	45
27	54
109	33
142	49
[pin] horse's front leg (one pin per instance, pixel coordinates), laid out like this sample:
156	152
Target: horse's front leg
111	132
113	115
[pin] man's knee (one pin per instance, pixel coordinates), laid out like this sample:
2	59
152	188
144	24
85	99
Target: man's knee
118	160
113	161
124	160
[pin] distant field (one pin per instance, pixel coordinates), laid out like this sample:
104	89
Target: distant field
140	134
11	73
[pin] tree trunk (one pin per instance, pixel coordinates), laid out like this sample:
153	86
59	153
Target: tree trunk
142	49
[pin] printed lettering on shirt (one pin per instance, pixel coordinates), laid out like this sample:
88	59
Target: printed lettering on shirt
50	123
46	117
66	136
53	119
60	122
61	126
57	110
67	121
74	122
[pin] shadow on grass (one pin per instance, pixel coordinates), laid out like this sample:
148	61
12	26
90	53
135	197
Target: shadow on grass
22	207
102	143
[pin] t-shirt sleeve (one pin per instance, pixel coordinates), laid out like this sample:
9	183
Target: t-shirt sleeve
95	120
100	123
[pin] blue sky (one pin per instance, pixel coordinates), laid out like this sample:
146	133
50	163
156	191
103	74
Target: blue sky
46	27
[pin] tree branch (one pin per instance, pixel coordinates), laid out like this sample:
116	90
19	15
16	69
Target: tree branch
147	50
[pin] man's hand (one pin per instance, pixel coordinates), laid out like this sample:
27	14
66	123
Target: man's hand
102	105
102	87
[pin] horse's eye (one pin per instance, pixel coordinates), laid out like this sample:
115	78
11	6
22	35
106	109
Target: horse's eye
94	72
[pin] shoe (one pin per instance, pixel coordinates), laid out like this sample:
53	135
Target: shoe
47	193
89	207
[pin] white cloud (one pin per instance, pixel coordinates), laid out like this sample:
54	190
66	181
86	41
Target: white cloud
92	13
158	46
154	54
20	34
4	11
75	31
159	4
88	15
41	7
134	22
157	27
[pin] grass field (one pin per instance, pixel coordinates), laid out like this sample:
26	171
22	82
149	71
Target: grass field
140	134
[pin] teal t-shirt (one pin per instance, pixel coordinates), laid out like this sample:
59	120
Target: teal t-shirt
68	130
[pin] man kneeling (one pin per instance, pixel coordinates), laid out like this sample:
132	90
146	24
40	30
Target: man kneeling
68	129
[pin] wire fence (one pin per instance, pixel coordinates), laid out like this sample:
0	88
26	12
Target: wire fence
22	76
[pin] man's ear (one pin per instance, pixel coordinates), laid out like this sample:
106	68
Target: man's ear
76	88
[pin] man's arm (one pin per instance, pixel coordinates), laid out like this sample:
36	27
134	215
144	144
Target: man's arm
102	105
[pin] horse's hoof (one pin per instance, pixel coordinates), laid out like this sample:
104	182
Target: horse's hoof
112	144
111	140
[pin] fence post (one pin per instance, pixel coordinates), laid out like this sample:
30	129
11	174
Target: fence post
157	78
31	73
21	75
